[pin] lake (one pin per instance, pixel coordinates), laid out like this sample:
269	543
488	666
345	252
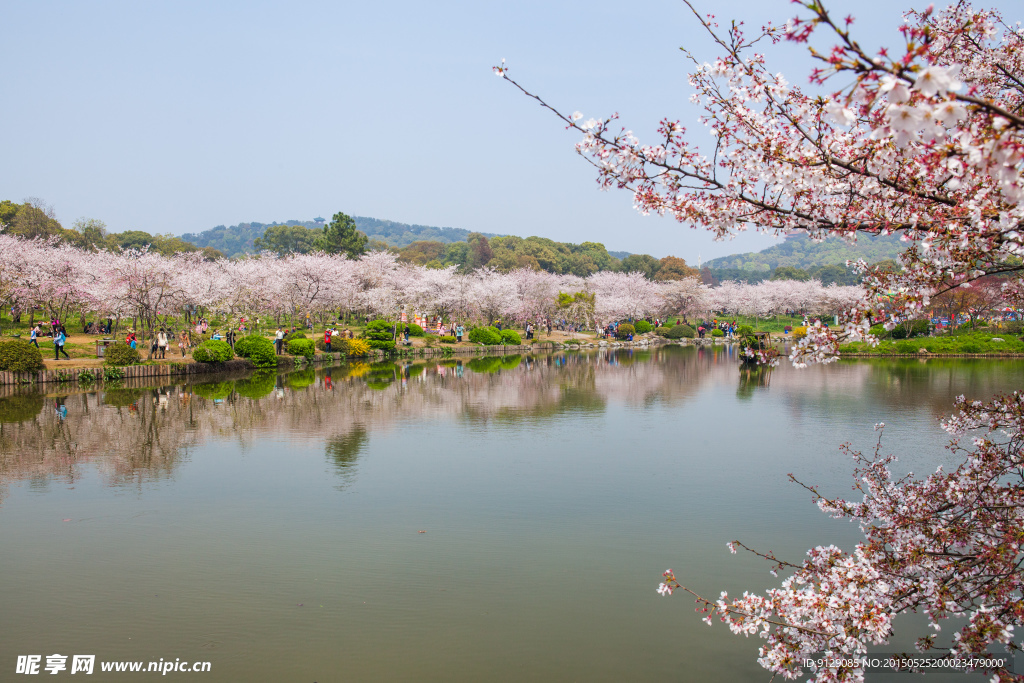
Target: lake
500	519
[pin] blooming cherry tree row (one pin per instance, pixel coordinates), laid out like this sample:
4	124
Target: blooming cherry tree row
148	287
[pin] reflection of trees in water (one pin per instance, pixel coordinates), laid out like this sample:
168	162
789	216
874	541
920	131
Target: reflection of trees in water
895	384
134	435
752	378
343	451
129	444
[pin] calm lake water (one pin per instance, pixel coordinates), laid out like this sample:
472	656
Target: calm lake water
274	525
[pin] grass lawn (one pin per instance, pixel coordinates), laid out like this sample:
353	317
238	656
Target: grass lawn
962	342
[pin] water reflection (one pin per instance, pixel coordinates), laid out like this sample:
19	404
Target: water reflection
134	434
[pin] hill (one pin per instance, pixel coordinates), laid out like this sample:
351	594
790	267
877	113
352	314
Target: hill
238	239
799	251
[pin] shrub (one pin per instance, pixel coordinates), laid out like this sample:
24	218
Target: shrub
489	336
744	331
213	351
257	349
338	344
1013	327
302	347
717	333
643	327
905	330
663	331
680	332
357	347
907	346
415	330
20	356
446	339
511	337
970	347
120	354
801	332
624	330
379	336
297	334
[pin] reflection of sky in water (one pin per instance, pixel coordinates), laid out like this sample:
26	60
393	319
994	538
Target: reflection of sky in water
553	491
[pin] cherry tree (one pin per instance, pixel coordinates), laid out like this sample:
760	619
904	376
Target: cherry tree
686	297
925	140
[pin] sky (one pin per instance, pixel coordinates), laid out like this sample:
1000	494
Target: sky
175	117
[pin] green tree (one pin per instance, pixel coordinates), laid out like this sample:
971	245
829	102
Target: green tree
89	233
8	210
422	252
641	263
34	219
790	273
288	239
341	237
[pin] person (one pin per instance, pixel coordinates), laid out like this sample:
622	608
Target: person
231	337
216	335
58	344
327	340
161	342
459	331
34	338
405	333
279	340
130	340
183	342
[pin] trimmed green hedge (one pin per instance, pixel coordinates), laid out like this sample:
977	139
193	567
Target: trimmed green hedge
19	355
120	354
414	330
446	339
302	347
213	351
488	336
257	349
643	327
681	332
624	330
511	337
379	335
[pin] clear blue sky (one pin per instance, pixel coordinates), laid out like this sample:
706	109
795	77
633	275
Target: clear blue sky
174	117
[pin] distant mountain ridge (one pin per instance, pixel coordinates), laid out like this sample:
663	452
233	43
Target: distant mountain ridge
238	239
799	251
